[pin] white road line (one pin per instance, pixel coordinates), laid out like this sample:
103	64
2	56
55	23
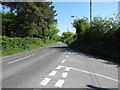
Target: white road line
67	68
96	74
58	67
64	74
52	73
67	56
69	53
45	81
63	61
59	83
92	73
21	59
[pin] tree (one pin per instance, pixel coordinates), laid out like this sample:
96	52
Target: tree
81	25
33	18
67	37
8	23
101	37
53	32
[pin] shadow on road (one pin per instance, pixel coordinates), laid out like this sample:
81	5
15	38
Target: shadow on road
109	63
98	88
61	48
66	48
105	61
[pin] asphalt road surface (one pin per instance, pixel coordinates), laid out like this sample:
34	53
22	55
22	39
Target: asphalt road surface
57	66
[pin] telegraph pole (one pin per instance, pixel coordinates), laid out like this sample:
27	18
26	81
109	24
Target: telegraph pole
90	10
119	14
67	30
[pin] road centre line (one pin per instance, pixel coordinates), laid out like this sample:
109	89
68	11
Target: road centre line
93	73
67	56
20	59
67	68
59	83
63	61
52	73
69	53
64	74
45	81
58	67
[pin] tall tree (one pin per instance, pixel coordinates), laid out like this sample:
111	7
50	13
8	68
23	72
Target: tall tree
36	15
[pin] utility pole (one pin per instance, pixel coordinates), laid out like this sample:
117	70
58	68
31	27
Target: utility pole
67	30
119	14
90	10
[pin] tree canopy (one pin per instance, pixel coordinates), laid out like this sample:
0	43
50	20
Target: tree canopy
29	19
101	37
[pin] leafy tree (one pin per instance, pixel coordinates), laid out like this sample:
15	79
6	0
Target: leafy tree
81	25
67	36
101	37
8	23
31	18
53	32
57	37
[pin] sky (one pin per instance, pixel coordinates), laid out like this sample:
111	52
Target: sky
81	9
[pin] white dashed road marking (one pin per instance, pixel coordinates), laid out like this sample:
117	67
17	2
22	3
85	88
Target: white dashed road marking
58	67
67	56
63	61
69	53
53	73
67	68
21	59
59	83
45	81
65	74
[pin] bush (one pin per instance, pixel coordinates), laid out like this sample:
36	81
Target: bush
17	44
101	38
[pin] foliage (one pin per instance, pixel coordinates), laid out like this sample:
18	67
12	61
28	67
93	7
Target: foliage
101	37
57	37
67	36
81	25
8	23
29	19
27	26
17	44
53	32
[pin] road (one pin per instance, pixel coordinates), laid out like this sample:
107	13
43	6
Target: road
57	66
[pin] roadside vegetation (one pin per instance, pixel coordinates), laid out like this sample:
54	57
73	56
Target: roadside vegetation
68	37
100	38
27	26
16	45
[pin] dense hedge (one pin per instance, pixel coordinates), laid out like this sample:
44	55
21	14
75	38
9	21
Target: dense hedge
17	44
23	43
101	38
